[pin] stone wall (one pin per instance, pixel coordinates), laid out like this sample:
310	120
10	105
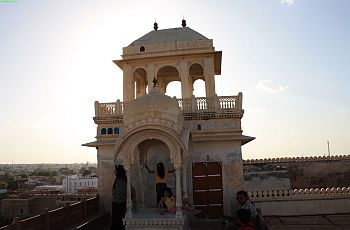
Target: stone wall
295	173
302	201
227	152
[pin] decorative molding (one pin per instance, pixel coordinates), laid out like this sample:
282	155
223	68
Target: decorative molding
128	146
202	116
108	120
297	159
152	121
300	194
155	223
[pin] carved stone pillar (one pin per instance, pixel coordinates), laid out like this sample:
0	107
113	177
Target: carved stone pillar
128	84
178	192
184	179
185	82
141	192
150	75
209	77
128	193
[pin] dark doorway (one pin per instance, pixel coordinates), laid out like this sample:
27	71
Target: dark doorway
207	189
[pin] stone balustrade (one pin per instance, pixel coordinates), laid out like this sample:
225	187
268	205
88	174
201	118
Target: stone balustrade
59	218
300	194
302	201
216	104
297	159
109	109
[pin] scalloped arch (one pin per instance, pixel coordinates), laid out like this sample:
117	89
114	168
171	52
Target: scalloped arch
128	146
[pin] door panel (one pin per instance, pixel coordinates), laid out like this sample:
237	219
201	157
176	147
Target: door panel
207	189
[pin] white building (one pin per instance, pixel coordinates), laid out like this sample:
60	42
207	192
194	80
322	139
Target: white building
71	184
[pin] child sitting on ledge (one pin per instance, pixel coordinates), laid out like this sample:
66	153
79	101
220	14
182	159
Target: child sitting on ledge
167	202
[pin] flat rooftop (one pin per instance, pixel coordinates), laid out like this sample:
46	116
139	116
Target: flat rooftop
319	222
312	222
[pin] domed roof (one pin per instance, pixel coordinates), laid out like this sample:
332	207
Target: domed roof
152	108
169	35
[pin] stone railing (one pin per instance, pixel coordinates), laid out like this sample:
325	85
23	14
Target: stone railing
60	218
296	159
216	104
302	201
109	109
300	194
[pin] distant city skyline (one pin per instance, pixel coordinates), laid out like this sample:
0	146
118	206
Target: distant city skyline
289	58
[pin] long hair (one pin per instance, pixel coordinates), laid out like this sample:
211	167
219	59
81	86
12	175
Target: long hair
120	173
160	170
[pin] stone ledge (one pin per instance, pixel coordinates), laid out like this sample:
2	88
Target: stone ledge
154	222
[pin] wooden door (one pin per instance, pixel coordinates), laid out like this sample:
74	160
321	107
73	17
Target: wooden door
207	189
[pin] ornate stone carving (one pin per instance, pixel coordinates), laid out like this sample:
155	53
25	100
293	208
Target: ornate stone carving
128	145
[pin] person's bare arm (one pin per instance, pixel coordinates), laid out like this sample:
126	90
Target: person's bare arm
149	170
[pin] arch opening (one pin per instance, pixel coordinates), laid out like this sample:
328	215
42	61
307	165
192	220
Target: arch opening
173	89
140	82
165	75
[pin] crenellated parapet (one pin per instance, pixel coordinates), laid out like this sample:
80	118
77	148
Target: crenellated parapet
297	159
301	194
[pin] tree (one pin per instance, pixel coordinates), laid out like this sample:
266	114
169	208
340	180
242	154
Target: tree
63	171
86	172
12	184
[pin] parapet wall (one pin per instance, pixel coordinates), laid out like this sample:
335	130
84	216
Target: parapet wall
297	172
300	194
302	201
297	159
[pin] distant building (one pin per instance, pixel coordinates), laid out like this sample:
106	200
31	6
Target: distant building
71	184
3	193
27	207
48	188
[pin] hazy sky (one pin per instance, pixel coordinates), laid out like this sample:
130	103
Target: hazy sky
290	59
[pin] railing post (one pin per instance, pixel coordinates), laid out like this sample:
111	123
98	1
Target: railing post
47	219
16	223
67	213
118	108
216	103
193	104
239	103
85	206
96	109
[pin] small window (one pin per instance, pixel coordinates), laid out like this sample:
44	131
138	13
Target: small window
103	131
116	130
110	131
199	127
142	49
21	210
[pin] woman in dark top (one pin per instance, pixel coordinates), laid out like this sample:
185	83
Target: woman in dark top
118	198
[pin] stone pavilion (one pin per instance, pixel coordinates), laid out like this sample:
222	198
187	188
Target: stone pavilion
199	137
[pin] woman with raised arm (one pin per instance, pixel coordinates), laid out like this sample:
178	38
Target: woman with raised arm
161	182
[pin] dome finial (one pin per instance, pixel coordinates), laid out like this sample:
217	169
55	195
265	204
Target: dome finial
155	25
183	22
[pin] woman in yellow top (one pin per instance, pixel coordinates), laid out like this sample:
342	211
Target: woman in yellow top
161	182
